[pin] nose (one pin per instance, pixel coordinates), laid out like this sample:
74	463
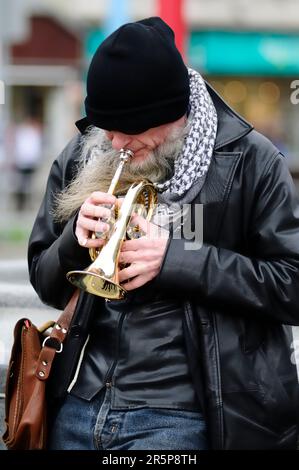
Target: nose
119	140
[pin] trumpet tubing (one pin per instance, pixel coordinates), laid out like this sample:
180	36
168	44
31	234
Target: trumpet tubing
101	277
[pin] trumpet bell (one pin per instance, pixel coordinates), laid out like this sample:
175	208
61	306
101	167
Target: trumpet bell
101	277
95	283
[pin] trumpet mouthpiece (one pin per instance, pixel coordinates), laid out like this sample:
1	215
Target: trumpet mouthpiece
126	154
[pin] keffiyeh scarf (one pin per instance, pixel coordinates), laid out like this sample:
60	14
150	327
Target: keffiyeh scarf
194	159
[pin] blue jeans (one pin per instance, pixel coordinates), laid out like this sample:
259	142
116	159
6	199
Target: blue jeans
83	425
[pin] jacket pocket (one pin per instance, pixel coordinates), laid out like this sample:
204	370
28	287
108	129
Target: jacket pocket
250	425
280	393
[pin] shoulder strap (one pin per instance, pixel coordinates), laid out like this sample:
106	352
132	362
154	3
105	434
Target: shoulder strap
52	344
66	317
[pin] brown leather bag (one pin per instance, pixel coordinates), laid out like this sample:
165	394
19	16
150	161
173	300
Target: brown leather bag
29	367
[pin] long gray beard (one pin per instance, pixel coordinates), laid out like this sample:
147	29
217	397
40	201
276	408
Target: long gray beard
98	165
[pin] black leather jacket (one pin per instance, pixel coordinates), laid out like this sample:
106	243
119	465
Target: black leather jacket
242	287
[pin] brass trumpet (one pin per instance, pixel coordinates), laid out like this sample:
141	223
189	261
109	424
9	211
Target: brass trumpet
101	277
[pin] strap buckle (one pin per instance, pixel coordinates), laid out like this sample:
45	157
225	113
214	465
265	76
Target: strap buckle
54	344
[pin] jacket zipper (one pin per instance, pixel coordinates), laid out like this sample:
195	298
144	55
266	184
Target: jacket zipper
188	309
109	375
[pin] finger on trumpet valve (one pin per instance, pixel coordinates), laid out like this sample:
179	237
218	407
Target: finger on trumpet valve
110	221
103	234
134	231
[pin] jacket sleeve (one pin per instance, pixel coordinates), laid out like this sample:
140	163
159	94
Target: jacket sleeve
53	249
266	283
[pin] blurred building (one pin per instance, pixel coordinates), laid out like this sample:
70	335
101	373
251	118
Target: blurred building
247	49
42	72
44	76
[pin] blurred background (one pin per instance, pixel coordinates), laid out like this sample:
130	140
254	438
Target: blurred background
247	49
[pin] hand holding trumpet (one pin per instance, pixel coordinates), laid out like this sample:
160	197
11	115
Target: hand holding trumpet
95	217
144	255
92	217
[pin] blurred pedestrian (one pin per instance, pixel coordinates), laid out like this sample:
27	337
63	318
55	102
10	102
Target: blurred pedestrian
27	153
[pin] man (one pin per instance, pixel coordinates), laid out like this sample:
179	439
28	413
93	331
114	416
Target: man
197	355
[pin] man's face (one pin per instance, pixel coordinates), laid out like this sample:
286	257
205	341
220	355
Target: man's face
142	144
155	153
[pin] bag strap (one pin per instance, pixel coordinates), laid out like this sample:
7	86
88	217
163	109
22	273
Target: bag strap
66	317
52	344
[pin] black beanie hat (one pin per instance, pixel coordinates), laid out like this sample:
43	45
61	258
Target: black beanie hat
137	79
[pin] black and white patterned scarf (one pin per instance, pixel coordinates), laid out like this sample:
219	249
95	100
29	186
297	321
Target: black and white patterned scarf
193	162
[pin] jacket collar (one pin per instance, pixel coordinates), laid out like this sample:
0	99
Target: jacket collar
82	125
231	126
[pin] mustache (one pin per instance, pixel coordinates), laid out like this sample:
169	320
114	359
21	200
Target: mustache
157	164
